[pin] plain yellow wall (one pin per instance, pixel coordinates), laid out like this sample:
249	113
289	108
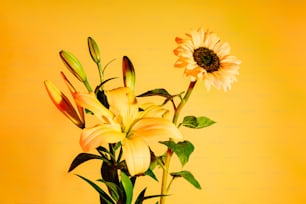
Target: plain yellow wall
255	153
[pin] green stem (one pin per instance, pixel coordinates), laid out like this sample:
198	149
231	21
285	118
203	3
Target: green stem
183	102
100	72
164	188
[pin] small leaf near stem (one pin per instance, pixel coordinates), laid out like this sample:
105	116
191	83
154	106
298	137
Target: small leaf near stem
81	158
196	122
188	177
182	150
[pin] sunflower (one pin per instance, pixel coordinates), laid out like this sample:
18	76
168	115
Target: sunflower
206	58
136	127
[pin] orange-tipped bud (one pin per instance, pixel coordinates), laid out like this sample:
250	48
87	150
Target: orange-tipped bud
128	73
73	91
62	103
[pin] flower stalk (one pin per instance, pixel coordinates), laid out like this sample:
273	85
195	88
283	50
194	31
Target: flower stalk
164	187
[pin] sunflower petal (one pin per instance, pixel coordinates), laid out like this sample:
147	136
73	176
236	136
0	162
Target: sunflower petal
137	155
93	137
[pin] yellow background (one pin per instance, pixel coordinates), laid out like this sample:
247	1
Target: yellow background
255	153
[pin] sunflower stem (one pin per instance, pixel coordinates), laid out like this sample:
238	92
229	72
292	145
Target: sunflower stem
177	111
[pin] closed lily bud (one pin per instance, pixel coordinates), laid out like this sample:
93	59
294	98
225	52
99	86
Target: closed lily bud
63	104
74	65
94	50
73	91
128	73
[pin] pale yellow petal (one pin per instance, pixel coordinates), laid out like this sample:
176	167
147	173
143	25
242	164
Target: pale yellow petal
123	104
152	110
137	155
90	102
222	49
101	134
155	129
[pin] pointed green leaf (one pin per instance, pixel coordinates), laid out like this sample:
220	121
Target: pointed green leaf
188	176
183	149
156	92
197	122
153	196
150	173
102	193
102	150
114	189
81	158
140	197
128	187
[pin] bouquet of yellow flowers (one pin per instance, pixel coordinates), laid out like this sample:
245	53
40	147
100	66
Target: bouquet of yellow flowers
125	130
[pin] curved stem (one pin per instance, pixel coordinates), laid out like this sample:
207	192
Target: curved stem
164	188
100	72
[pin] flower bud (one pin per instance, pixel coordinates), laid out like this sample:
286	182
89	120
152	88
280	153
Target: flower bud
73	92
74	65
62	103
94	50
128	73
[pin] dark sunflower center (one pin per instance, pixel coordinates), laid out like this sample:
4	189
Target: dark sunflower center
207	59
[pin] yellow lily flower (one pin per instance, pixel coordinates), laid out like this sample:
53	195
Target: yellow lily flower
123	122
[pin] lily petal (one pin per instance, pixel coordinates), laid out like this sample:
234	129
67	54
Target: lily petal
123	103
90	102
137	155
93	137
152	110
155	129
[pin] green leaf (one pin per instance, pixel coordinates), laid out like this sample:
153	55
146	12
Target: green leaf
150	173
102	193
128	187
156	92
183	149
114	189
188	176
140	197
81	158
102	150
197	122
